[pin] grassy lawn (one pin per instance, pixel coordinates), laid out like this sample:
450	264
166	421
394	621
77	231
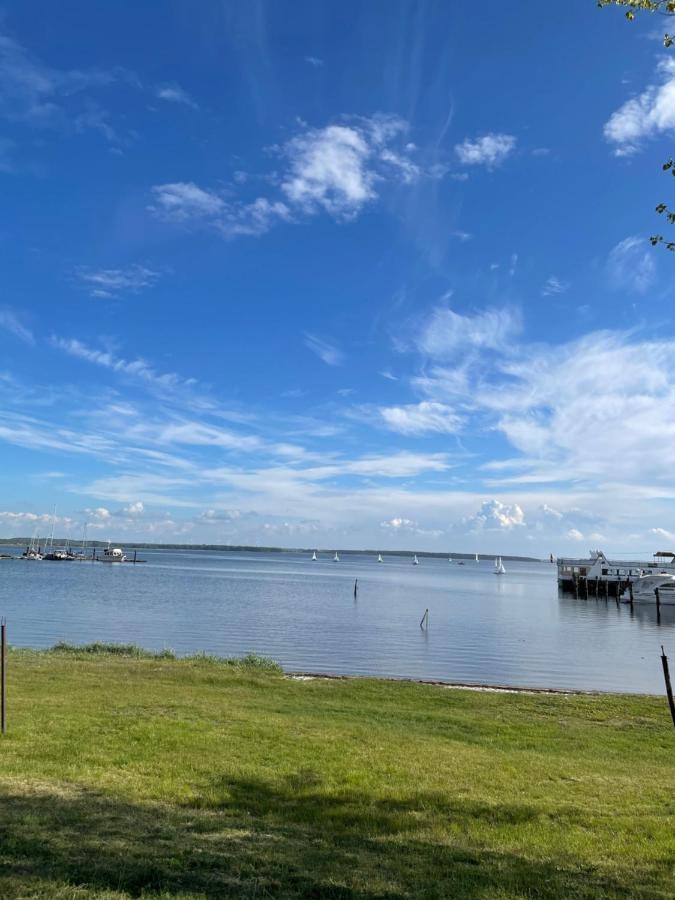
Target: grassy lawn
125	776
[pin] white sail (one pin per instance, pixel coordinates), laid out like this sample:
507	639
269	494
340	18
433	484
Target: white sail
379	557
314	556
499	567
336	558
416	561
476	557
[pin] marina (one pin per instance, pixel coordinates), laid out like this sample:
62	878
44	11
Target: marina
516	629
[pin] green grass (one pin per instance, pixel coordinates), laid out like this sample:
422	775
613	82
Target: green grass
127	774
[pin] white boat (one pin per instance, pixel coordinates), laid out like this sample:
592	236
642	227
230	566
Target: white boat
113	555
416	561
33	550
645	587
314	556
336	558
597	567
499	567
476	557
379	557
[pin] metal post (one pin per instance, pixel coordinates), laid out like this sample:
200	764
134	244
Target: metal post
669	690
3	676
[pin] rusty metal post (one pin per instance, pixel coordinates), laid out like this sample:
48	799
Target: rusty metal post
669	690
3	676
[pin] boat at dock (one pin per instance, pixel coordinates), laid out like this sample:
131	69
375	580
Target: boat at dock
644	589
603	575
113	555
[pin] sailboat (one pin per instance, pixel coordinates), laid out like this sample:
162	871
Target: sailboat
416	561
379	557
476	557
314	556
33	551
336	558
499	567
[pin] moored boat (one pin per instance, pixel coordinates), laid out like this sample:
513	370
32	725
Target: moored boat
643	590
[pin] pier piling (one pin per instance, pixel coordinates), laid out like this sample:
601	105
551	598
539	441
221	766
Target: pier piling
669	690
356	585
425	619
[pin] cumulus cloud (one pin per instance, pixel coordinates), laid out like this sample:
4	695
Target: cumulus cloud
631	266
574	534
495	515
490	150
398	523
336	170
645	116
421	418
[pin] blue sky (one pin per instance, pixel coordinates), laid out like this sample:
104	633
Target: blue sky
336	274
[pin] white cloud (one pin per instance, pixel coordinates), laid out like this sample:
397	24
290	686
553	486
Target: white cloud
490	150
447	333
46	97
493	514
421	418
326	351
314	61
9	321
398	523
645	116
334	170
574	534
631	266
554	286
108	283
173	93
185	201
136	368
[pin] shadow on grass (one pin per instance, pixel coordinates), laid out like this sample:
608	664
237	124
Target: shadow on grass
261	840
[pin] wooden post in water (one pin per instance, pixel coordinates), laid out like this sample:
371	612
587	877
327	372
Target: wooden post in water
135	555
669	690
576	586
630	592
425	619
356	585
3	676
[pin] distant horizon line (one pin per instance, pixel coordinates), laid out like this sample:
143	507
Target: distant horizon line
144	545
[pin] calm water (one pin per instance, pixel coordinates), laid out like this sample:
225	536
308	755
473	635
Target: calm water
512	629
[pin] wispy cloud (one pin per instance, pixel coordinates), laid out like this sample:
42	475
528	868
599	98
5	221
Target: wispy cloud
173	93
314	61
47	97
335	170
554	286
10	321
446	333
135	368
645	116
421	418
107	283
326	351
631	265
489	150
